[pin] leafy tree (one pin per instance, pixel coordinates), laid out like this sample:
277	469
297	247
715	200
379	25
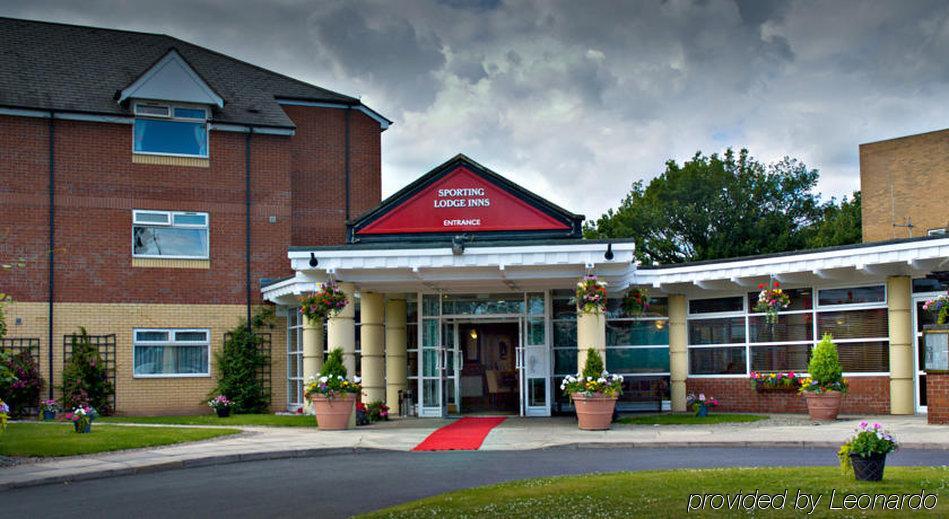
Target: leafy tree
334	367
841	224
239	364
716	206
85	378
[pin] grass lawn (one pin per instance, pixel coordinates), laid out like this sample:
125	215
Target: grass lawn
59	439
666	493
212	419
689	419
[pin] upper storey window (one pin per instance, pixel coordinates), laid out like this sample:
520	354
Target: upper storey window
164	129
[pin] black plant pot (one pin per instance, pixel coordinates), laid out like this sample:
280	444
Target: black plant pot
223	412
870	468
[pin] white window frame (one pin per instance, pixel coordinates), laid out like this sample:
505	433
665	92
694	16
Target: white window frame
172	117
294	322
170	222
172	341
816	309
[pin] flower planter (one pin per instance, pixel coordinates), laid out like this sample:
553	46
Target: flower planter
868	469
823	406
49	415
332	414
702	411
223	412
594	412
85	429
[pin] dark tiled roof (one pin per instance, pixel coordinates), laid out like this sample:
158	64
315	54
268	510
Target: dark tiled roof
52	66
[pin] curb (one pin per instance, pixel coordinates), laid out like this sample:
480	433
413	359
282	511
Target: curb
320	452
184	464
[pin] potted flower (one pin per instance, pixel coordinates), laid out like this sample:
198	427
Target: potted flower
866	451
378	411
591	295
82	418
49	408
771	300
825	386
636	302
701	404
778	382
939	307
594	393
328	300
333	394
4	415
221	405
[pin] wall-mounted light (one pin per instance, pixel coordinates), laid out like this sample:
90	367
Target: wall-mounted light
660	324
473	333
313	261
458	245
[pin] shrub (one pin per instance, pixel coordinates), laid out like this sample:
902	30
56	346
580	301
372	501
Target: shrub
332	380
593	367
23	393
85	379
593	380
334	367
240	363
824	368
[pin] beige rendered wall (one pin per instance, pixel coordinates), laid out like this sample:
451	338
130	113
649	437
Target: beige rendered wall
905	178
151	396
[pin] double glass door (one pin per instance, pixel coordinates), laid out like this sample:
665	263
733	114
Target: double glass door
442	357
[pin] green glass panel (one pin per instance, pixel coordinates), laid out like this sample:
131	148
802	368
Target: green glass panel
430	305
535	304
638	360
430	363
430	333
636	333
565	334
487	305
430	392
535	332
565	362
537	392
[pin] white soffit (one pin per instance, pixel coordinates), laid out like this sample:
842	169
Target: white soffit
172	79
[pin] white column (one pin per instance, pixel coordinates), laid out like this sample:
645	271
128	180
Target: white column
899	294
372	341
396	357
678	351
341	329
591	333
312	347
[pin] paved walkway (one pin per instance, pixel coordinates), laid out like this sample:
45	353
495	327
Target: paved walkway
257	443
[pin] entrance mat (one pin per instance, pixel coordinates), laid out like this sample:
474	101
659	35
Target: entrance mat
466	434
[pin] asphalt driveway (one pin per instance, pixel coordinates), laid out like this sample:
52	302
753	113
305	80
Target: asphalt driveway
346	484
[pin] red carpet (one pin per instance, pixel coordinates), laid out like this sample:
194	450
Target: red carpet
466	434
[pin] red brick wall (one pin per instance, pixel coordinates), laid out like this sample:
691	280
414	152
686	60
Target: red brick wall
97	186
867	395
318	172
937	397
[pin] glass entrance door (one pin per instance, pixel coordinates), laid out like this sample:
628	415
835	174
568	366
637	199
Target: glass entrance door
920	319
431	358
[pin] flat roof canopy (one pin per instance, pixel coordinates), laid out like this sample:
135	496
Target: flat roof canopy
557	264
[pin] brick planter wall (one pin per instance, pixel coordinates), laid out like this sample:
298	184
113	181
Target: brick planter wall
937	396
867	395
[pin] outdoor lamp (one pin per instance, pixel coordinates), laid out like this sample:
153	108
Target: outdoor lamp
313	261
609	252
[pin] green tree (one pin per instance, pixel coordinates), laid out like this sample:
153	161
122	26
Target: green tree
717	206
593	367
240	362
841	224
85	378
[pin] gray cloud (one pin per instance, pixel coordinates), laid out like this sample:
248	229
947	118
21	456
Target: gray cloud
578	99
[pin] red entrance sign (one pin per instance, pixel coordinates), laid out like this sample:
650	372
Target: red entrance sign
462	201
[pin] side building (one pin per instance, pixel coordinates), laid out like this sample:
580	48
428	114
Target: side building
148	185
905	186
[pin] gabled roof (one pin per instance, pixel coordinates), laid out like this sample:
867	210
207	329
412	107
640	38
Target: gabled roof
70	68
172	79
547	220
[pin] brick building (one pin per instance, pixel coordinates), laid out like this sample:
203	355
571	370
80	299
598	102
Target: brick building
905	185
150	184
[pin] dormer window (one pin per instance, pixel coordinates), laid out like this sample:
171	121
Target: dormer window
165	129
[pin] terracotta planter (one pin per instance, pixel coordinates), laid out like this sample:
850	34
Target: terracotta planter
823	406
595	412
332	414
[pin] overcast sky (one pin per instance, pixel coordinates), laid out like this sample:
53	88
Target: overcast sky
575	100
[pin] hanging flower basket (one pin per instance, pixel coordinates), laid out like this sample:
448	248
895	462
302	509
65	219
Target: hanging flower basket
938	307
591	295
636	302
771	300
326	301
